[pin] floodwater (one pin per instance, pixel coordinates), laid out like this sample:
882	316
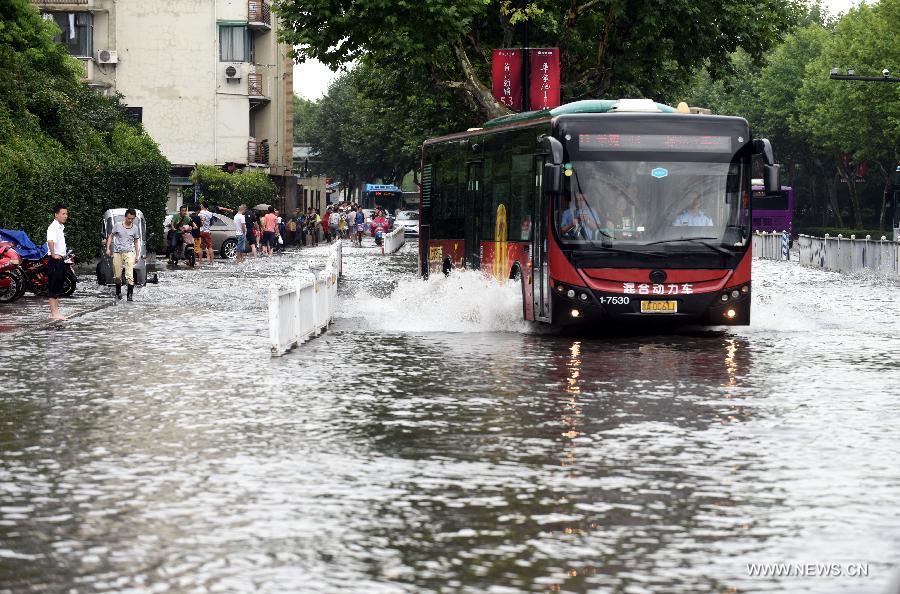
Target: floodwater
432	442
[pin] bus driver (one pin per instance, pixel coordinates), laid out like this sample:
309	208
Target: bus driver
693	216
578	221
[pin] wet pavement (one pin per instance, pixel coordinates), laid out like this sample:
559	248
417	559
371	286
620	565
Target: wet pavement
430	441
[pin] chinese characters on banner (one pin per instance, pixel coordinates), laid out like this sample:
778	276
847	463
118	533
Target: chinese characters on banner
507	77
544	89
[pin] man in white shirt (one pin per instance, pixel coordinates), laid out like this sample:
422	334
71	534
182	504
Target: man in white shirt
240	232
56	266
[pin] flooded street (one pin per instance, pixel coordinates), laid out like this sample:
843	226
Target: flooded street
430	441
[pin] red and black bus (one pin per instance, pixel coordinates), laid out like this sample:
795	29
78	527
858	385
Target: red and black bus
606	211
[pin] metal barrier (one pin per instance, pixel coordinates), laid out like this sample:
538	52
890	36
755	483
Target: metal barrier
393	241
304	310
851	254
771	246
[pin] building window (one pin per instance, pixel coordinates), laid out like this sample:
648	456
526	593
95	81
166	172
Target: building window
75	31
234	43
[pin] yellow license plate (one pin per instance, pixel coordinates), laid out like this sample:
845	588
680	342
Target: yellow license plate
659	307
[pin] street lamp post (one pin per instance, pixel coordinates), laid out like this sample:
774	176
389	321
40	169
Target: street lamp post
835	74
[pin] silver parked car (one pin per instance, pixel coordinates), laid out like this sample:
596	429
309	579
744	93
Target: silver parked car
409	220
222	229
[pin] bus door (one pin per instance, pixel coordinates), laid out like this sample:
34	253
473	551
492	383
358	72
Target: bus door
540	272
473	215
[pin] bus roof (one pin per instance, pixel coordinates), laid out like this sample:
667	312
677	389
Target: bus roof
585	106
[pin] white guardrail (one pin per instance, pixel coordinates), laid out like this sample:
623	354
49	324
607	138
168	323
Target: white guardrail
393	241
851	254
305	310
771	246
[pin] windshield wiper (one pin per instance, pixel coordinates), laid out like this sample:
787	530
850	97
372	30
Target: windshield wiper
699	240
599	247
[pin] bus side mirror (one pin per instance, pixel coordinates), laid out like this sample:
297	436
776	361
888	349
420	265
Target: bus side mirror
772	178
552	178
771	170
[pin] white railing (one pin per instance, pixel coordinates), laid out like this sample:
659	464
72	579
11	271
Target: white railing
771	246
304	310
393	241
851	254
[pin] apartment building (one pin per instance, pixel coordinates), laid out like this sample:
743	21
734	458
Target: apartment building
207	78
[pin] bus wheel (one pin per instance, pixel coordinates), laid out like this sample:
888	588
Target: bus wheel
447	267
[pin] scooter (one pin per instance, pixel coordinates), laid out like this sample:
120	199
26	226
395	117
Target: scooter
184	248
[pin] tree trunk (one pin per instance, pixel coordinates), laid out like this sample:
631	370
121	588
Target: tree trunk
481	95
886	177
831	191
833	198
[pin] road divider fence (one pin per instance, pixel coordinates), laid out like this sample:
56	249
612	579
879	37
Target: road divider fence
393	241
843	254
771	246
303	311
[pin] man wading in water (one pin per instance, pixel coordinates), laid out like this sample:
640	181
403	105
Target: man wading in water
124	252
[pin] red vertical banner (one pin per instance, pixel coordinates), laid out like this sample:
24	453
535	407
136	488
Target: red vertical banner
544	89
506	66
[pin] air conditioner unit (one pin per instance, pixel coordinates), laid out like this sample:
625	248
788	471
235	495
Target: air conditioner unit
107	57
233	72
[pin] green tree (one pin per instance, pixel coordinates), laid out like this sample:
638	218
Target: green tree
304	115
372	122
60	142
639	47
858	118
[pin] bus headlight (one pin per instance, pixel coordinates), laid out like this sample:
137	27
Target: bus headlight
730	314
735	294
575	313
725	297
570	293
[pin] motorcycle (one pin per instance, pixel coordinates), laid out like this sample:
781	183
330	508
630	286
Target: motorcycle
35	273
12	284
32	268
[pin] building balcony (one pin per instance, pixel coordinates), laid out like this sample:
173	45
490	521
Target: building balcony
256	90
258	152
259	15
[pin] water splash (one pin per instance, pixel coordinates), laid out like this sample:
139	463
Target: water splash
465	301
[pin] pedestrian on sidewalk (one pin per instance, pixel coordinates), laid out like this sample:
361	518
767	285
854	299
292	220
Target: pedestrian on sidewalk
196	221
206	218
56	266
360	226
326	227
269	225
123	246
279	232
252	223
333	219
298	220
240	233
312	230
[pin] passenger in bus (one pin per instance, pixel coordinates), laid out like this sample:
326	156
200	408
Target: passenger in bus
693	216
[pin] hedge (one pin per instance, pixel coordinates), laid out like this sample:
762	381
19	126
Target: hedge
62	143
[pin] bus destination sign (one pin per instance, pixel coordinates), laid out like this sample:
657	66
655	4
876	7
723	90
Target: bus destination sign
654	142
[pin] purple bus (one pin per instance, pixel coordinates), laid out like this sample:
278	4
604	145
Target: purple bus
773	212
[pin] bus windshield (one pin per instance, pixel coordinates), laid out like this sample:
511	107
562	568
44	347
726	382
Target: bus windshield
607	202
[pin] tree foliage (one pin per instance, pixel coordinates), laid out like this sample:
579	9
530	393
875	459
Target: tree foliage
62	143
230	190
813	121
304	115
372	122
608	47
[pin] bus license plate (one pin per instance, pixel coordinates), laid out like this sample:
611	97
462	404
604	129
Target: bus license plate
659	307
